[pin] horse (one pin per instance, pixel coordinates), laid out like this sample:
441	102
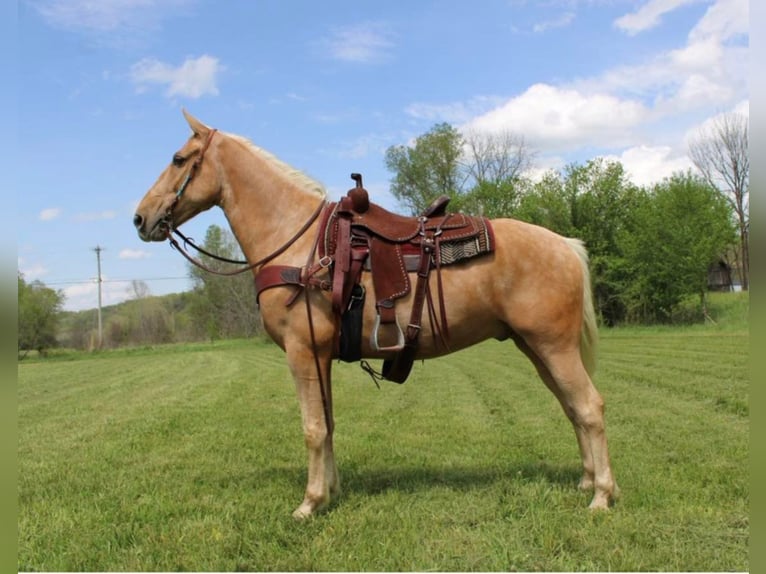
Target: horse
533	289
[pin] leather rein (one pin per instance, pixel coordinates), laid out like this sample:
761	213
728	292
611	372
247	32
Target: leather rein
187	241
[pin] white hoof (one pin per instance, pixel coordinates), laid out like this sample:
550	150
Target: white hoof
302	512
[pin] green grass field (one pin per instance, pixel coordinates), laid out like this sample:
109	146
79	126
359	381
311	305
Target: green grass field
190	457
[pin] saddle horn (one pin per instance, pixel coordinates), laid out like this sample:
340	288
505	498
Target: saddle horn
360	199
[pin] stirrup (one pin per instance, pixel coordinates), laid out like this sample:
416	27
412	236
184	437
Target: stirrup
375	333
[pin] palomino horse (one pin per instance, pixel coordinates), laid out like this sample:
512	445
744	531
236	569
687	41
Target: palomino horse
533	289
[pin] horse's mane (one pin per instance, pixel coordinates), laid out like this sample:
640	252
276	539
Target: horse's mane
295	175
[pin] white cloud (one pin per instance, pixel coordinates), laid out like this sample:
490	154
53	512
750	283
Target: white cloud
95	216
698	91
742	108
562	21
49	214
111	22
454	112
363	146
709	72
613	112
696	56
646	165
195	78
87	14
666	78
85	295
81	289
367	42
544	164
710	123
295	97
554	118
134	254
649	15
693	77
725	19
328	118
31	271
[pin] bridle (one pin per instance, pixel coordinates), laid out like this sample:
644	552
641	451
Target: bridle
167	219
189	176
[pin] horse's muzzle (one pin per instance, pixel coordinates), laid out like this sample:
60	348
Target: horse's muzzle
158	232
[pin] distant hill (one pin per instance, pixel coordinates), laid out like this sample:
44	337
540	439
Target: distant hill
147	320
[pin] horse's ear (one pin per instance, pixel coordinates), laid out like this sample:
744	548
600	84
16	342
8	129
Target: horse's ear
197	126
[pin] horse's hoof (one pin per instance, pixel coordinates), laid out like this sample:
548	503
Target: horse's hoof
309	507
601	501
302	513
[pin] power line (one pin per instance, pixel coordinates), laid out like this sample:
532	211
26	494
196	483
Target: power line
94	280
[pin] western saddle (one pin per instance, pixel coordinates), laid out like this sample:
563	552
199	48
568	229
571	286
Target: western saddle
357	236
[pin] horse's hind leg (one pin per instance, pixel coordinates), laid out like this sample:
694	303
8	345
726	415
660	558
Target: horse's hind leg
564	374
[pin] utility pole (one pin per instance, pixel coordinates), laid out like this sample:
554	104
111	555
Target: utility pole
98	249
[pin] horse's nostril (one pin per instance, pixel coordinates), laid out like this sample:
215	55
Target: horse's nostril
138	221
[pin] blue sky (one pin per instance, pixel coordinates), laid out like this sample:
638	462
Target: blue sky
327	87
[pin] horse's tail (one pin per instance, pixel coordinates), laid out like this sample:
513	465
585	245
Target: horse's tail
589	332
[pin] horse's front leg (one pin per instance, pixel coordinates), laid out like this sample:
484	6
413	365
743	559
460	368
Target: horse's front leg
316	414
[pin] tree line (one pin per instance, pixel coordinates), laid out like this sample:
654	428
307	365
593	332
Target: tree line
215	308
650	246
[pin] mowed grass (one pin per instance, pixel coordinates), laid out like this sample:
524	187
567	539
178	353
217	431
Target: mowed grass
192	458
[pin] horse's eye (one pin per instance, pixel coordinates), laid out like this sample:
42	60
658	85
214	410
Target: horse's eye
178	160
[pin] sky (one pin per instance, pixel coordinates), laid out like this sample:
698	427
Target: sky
328	87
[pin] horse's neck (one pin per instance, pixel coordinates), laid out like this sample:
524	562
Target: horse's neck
265	205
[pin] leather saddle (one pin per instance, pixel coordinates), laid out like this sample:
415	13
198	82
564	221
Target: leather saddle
357	236
361	236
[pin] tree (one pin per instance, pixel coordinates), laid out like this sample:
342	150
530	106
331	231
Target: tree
603	201
78	329
496	157
591	202
648	249
428	169
676	231
482	172
39	311
493	169
546	204
490	199
223	306
720	153
146	320
138	290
